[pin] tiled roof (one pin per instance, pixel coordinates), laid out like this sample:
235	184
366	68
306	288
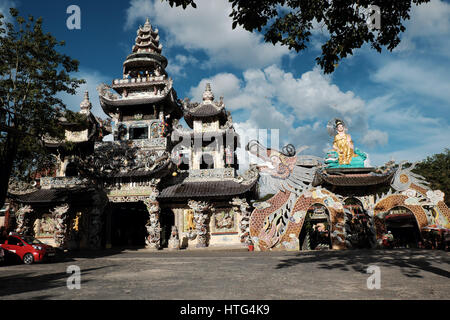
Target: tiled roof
353	180
205	189
44	196
203	111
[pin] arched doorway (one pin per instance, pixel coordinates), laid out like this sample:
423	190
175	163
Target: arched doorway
128	222
401	222
315	234
360	232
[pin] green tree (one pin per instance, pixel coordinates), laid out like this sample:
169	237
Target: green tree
436	170
32	72
343	22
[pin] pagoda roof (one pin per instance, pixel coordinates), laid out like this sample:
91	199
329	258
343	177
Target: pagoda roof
111	102
205	189
207	109
352	178
50	196
146	49
94	124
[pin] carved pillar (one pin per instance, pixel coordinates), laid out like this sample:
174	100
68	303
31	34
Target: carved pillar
201	219
60	216
95	217
153	226
242	206
23	220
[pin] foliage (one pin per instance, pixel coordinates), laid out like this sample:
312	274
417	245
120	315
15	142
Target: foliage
343	23
436	170
32	73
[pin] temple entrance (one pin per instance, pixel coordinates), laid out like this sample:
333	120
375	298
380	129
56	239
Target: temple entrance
167	221
315	234
128	224
402	223
360	232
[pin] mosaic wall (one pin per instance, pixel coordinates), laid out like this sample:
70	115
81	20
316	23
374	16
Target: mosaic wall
277	223
224	220
428	207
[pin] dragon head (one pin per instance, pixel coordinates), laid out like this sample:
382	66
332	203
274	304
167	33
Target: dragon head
284	170
277	164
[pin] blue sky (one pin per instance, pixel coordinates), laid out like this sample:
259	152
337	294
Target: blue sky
397	105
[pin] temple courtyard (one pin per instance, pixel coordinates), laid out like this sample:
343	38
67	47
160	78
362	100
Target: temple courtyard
233	275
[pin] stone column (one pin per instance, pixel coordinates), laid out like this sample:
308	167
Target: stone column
243	207
23	220
201	218
60	216
153	226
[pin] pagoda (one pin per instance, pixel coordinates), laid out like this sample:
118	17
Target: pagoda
144	103
143	106
62	197
210	200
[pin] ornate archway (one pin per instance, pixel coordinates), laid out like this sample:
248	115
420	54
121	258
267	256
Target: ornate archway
277	223
315	233
383	207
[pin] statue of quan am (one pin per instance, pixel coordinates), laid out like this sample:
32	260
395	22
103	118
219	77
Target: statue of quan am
344	154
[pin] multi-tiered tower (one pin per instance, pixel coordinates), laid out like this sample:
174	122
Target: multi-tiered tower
143	108
145	103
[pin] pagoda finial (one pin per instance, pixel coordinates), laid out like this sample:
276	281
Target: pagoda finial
86	104
208	96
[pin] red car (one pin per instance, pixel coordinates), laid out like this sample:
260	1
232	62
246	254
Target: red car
27	248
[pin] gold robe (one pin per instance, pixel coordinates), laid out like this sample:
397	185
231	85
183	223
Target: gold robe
344	146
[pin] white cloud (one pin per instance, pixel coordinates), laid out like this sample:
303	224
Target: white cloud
222	84
177	65
208	28
300	108
273	99
417	76
429	19
310	97
428	141
375	137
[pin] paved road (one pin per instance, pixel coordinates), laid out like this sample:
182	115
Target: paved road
235	275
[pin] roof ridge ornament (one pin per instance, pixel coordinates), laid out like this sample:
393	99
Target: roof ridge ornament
86	104
208	95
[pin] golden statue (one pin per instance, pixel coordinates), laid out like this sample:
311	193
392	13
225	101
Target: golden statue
343	144
190	220
76	222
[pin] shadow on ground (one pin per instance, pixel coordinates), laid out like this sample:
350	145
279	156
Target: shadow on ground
30	281
410	262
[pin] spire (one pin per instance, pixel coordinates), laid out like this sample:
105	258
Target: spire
86	104
147	39
208	96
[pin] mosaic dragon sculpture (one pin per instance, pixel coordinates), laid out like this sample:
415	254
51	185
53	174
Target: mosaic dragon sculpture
411	191
277	222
